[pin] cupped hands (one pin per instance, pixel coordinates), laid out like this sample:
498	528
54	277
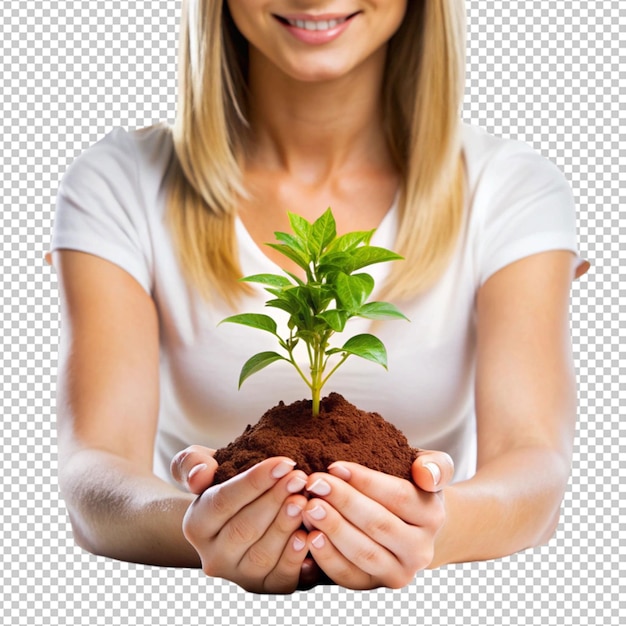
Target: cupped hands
273	529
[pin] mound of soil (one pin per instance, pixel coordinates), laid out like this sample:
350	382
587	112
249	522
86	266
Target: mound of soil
341	432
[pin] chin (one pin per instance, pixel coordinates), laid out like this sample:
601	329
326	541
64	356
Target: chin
319	72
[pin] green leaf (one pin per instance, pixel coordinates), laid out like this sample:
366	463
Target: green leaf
324	230
297	280
367	347
254	320
296	301
300	226
381	311
257	363
352	291
297	257
295	243
368	255
333	263
350	241
273	280
284	304
335	319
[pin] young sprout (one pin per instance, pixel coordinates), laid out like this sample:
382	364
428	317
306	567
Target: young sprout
319	306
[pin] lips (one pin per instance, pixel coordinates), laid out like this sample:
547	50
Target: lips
316	29
314	24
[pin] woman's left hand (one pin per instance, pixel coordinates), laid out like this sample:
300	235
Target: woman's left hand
370	529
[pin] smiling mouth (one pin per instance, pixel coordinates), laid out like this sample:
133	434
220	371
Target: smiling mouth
315	24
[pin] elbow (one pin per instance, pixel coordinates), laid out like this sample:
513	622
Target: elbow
547	533
83	538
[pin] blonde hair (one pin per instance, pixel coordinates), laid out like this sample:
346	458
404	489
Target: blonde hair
424	84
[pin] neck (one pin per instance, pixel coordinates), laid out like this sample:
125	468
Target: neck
312	130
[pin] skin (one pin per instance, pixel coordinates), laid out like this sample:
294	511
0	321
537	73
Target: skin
316	140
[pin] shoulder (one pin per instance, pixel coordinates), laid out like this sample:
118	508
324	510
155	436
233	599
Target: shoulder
519	203
125	159
497	166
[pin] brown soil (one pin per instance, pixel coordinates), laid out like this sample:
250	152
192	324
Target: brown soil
341	432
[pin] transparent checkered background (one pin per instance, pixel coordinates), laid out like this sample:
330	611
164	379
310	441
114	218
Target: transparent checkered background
549	73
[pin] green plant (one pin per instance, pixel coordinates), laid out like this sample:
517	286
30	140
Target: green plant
320	305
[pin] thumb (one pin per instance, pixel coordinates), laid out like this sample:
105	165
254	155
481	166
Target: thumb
194	468
432	470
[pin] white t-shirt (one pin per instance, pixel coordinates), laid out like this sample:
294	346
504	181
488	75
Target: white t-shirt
111	203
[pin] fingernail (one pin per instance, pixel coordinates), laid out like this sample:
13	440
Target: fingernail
283	468
319	542
340	471
320	487
317	512
298	544
293	510
296	484
195	470
433	468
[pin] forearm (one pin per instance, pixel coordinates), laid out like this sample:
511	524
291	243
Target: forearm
511	503
121	512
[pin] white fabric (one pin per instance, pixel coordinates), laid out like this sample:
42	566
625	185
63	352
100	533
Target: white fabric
111	203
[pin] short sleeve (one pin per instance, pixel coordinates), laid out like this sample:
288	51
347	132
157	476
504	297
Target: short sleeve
100	208
526	206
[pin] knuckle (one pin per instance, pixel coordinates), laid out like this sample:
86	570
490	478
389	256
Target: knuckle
218	501
366	481
368	555
259	558
381	525
211	565
284	577
403	495
437	514
420	559
400	579
344	573
192	526
425	558
239	531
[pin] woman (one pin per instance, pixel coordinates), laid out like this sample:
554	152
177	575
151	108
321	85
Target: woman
297	106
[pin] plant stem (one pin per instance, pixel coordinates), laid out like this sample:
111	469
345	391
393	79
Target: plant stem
339	364
317	372
302	375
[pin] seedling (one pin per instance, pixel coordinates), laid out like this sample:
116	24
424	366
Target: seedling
320	306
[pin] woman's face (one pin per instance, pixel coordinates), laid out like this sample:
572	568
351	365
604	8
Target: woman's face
316	40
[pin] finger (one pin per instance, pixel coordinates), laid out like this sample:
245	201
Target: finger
356	546
432	470
397	495
264	555
373	519
336	566
194	468
226	499
218	520
256	535
285	577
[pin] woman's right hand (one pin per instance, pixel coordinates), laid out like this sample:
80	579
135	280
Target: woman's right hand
246	529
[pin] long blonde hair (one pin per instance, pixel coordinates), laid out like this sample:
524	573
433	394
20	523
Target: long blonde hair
424	84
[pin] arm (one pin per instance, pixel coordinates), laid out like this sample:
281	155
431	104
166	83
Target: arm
382	529
107	417
246	529
525	408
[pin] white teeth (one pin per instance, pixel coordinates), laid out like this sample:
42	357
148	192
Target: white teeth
312	25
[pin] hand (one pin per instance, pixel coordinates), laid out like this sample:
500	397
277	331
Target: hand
246	529
372	529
